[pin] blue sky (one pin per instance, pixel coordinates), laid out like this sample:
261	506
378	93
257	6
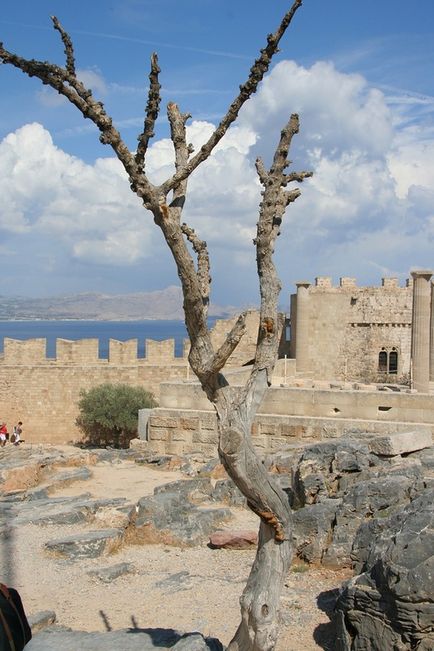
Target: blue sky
359	74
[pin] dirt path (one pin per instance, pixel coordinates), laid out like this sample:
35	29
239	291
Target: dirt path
185	589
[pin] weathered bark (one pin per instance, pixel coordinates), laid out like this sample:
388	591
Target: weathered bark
260	601
235	406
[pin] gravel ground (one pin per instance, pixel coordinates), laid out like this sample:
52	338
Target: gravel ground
194	589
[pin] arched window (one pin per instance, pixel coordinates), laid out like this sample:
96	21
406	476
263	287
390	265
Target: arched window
393	362
388	361
382	362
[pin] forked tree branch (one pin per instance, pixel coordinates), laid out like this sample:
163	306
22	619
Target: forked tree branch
235	406
66	82
178	134
257	72
274	202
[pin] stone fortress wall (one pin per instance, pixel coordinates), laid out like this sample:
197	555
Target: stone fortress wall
43	392
337	336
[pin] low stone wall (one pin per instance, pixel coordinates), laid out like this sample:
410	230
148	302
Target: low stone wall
186	422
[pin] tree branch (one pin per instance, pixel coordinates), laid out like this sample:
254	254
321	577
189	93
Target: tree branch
203	265
230	343
257	72
178	134
69	49
262	172
152	110
66	83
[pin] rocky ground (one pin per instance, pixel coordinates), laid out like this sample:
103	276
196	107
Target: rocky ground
152	586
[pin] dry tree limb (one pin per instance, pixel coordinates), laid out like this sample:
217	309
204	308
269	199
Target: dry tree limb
66	82
232	340
178	134
235	406
257	72
203	264
152	111
69	49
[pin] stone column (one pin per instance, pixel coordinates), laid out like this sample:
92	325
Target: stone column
420	330
431	341
302	328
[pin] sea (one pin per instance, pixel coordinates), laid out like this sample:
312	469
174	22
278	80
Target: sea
101	330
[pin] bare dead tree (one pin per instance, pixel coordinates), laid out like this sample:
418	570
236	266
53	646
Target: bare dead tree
235	406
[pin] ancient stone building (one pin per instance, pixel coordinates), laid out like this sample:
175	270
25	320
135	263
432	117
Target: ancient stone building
350	332
357	336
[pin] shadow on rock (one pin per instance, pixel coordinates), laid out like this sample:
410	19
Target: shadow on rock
133	639
325	634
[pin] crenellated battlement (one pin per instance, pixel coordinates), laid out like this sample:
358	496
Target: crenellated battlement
345	282
85	352
43	391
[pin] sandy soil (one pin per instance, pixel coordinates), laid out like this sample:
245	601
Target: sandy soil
186	589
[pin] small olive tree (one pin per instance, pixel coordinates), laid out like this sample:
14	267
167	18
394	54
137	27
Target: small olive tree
235	405
109	412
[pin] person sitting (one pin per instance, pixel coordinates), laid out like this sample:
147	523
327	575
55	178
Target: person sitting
4	435
17	433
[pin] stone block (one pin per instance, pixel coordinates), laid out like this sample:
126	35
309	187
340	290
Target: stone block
208	449
260	442
189	423
400	443
163	421
158	434
181	435
277	443
208	421
296	431
139	445
255	430
176	447
205	437
270	429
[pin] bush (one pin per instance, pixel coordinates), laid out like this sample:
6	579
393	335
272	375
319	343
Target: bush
109	413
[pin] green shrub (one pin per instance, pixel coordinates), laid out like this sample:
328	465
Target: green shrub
109	413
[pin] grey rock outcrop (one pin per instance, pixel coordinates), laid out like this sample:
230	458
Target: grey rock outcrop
130	639
173	514
339	486
90	544
390	605
109	574
60	510
226	491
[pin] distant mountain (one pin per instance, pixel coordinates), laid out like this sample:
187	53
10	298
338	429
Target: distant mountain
161	304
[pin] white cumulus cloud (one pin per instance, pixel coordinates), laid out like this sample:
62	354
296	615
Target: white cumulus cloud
368	207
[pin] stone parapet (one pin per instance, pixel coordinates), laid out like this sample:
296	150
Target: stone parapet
180	431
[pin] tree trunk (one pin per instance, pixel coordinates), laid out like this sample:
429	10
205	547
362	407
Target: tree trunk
260	601
235	406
